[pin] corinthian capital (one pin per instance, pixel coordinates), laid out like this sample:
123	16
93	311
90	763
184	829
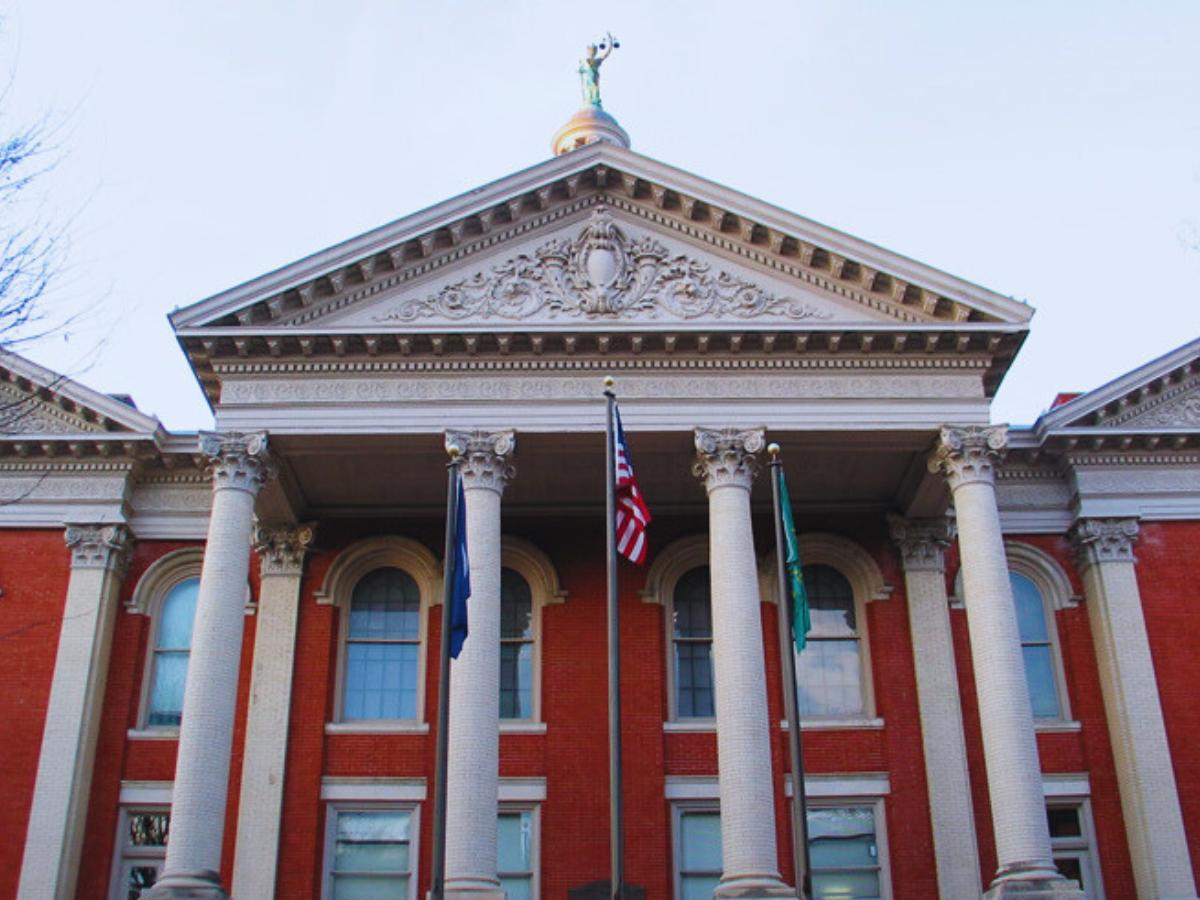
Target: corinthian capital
237	460
1103	540
98	546
922	542
281	548
485	457
727	456
969	454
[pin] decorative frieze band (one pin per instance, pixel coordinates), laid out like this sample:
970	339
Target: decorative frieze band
922	542
98	546
969	454
1103	540
240	461
281	548
728	456
485	457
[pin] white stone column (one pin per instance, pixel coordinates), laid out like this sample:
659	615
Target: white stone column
239	466
921	543
967	456
474	764
726	462
281	551
54	838
1149	798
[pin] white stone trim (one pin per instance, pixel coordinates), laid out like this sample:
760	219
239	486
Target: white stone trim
522	790
1066	784
380	726
347	789
146	793
162	575
850	723
1044	571
838	786
351	565
701	726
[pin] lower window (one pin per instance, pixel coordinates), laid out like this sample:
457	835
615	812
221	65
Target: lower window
371	853
1073	846
516	852
141	849
847	861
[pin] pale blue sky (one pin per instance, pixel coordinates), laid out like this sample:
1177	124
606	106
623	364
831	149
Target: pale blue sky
1050	151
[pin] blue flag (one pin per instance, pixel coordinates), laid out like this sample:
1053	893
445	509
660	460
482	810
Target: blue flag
462	578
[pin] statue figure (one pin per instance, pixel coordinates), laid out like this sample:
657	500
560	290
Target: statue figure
589	69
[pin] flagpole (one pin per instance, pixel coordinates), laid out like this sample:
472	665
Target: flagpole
615	811
438	858
791	702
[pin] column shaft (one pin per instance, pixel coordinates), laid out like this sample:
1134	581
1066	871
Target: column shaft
54	838
474	762
206	734
260	805
946	772
727	464
1010	752
1149	797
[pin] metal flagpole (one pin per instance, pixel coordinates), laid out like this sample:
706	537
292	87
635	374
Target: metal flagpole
791	703
616	832
438	859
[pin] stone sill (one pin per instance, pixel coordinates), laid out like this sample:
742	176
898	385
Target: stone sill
1051	727
522	727
700	725
385	727
859	723
152	734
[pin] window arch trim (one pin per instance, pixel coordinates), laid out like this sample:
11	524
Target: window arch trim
671	563
1044	571
539	573
162	575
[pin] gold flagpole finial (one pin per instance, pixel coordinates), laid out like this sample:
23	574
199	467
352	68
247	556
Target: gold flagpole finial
454	451
773	450
609	381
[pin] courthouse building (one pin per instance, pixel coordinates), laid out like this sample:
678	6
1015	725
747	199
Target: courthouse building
218	651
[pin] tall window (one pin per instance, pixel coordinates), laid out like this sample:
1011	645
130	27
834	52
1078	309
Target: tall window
1037	647
829	671
691	618
516	646
844	852
1071	843
516	852
382	647
172	649
142	845
371	854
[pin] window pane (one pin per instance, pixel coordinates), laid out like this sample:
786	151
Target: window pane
516	606
830	602
371	842
1039	675
177	615
383	825
518	888
140	878
370	887
516	681
149	829
829	678
693	680
381	681
1031	611
371	857
166	691
386	605
1070	867
700	841
845	885
514	842
1064	821
691	604
699	887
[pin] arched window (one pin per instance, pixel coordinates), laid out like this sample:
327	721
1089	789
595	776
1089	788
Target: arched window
172	650
517	644
383	643
691	639
829	671
1037	647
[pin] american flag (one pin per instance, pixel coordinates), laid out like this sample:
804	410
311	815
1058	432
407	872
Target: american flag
632	514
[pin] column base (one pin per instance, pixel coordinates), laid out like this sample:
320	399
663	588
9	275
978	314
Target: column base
1052	887
473	889
751	887
202	885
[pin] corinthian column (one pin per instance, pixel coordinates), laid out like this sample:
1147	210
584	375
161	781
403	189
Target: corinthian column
239	465
967	457
1149	799
54	838
921	543
474	763
726	462
281	551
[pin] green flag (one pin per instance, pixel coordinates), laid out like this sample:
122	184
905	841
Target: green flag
801	621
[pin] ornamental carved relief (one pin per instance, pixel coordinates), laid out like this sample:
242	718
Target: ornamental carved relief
602	273
98	546
728	456
1103	540
281	548
922	542
1182	411
968	455
485	457
236	460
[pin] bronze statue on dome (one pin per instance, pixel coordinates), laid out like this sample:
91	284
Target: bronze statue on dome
589	69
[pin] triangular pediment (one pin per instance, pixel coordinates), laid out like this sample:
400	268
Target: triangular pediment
1164	394
36	402
701	241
